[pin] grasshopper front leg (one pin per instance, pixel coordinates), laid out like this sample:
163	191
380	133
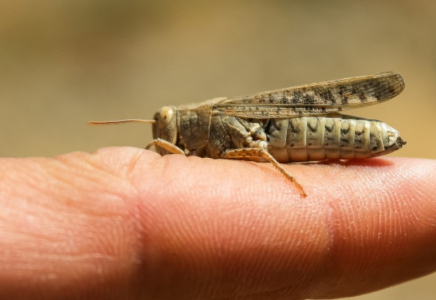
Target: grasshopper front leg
256	153
166	145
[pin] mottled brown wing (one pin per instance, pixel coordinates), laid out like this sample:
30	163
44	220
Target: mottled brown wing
315	99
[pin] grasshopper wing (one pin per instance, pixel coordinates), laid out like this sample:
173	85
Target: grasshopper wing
315	99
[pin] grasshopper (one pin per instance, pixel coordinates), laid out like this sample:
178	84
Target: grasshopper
295	124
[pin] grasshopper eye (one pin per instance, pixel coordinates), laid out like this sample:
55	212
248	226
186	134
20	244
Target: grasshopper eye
166	114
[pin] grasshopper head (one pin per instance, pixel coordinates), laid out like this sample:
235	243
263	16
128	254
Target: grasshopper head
165	126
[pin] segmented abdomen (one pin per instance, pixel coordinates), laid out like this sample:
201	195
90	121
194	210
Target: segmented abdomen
320	138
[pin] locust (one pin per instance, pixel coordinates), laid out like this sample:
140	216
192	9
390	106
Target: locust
295	124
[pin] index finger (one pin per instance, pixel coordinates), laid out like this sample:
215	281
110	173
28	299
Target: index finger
177	227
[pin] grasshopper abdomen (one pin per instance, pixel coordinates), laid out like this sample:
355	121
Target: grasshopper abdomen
330	137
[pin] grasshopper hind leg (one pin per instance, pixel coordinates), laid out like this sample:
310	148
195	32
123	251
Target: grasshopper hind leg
258	153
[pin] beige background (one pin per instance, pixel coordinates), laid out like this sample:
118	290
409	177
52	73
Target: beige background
63	63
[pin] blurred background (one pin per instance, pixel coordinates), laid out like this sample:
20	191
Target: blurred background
63	63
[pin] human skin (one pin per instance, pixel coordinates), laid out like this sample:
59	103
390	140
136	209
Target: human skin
125	223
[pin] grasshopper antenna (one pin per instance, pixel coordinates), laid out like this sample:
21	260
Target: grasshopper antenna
121	122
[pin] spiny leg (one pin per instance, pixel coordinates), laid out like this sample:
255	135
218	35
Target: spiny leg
250	153
166	145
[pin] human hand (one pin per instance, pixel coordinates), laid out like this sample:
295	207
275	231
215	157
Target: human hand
125	223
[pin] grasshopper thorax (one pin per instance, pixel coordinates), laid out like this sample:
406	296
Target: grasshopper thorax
165	126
